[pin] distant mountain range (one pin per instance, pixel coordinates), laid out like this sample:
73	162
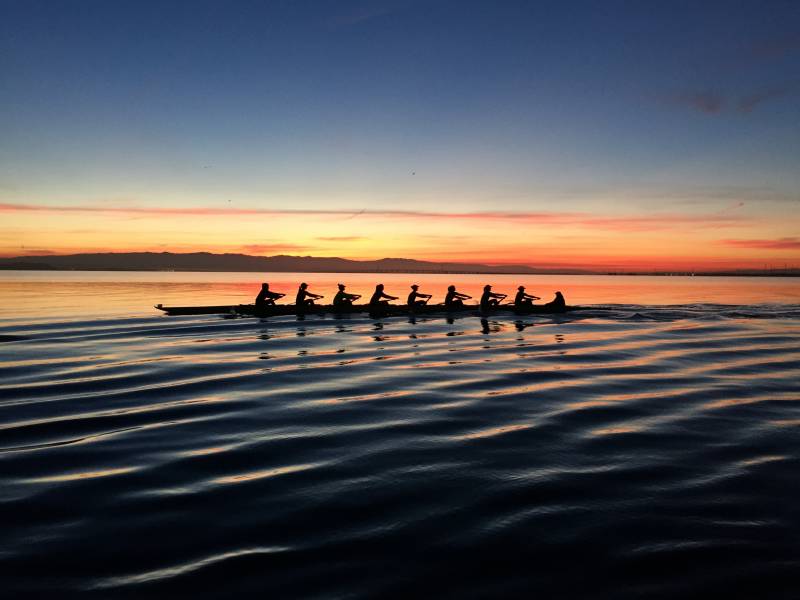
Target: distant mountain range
206	261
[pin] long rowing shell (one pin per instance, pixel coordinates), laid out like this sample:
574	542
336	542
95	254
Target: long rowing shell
384	311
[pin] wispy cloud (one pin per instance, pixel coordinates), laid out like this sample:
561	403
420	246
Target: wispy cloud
775	48
714	102
341	238
624	223
749	103
365	11
155	211
36	252
787	243
708	102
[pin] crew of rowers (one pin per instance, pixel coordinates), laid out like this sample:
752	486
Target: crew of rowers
454	300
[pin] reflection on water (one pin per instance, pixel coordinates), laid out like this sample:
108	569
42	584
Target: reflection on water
626	453
38	293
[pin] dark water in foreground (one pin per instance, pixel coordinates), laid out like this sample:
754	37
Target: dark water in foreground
637	452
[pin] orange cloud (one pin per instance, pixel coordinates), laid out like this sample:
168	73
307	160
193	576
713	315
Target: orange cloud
268	248
788	243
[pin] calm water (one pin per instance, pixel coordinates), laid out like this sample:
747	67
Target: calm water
71	293
647	450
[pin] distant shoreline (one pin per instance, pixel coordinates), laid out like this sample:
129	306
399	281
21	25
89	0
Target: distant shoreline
418	272
207	262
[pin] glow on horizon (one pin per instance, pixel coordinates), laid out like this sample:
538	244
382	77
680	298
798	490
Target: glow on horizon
546	239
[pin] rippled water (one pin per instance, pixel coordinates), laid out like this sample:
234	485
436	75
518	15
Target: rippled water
634	451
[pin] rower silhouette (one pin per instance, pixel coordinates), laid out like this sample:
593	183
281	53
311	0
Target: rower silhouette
523	300
557	304
266	298
344	301
412	298
305	299
380	300
490	299
454	300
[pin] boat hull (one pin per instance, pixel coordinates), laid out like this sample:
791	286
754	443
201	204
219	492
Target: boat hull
386	311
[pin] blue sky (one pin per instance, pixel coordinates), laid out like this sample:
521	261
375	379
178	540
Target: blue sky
615	106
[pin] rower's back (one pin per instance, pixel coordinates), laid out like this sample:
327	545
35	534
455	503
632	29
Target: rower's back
486	299
377	296
452	299
300	297
339	299
261	299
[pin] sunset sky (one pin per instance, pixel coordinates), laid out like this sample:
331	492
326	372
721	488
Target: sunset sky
613	135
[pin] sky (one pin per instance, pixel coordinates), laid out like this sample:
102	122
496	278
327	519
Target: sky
614	135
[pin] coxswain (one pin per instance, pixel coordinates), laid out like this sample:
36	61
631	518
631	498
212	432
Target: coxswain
557	304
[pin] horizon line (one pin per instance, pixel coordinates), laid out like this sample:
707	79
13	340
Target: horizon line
38	261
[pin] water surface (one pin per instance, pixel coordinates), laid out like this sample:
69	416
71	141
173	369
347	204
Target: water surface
87	293
642	451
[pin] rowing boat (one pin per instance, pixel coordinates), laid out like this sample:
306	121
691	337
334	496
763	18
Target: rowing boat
384	311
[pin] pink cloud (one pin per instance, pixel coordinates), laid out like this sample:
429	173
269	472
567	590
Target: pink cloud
628	223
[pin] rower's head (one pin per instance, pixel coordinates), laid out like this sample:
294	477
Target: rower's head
264	286
558	294
341	287
303	286
379	287
451	288
415	287
521	288
487	288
